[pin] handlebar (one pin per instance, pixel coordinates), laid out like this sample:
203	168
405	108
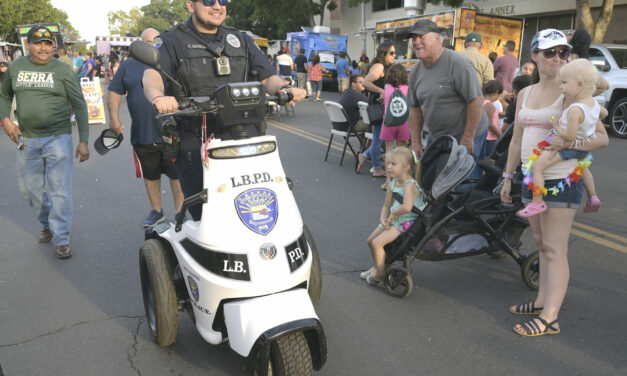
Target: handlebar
196	106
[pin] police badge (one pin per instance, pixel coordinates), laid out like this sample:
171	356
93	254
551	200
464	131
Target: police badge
257	209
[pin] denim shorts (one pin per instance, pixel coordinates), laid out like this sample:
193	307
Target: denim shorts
569	198
572	154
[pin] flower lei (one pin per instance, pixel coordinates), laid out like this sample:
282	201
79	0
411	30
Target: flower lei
573	177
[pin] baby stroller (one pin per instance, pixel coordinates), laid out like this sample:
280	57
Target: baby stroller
456	224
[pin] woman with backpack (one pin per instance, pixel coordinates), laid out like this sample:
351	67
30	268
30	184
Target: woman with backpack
374	82
396	114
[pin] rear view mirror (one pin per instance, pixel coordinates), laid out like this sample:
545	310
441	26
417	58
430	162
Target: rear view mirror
601	65
145	53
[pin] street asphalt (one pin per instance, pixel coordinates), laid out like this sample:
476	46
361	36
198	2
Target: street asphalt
84	315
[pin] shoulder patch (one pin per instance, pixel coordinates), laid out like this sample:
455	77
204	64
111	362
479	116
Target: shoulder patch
233	40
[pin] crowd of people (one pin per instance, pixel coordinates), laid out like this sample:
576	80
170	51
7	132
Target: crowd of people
463	95
467	96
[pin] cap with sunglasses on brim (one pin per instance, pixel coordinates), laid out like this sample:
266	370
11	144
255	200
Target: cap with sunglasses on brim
37	34
422	27
548	38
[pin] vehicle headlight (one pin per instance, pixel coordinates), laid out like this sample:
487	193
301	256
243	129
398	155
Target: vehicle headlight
242	151
236	93
246	91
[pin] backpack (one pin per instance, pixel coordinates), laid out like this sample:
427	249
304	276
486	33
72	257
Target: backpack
397	111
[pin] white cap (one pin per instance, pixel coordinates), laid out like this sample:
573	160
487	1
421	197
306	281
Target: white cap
548	38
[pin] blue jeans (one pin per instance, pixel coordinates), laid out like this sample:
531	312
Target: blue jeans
479	153
44	175
374	151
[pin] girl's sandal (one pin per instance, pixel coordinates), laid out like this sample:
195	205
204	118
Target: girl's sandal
526	309
532	329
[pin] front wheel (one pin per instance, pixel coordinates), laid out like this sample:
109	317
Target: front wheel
315	278
398	282
618	118
158	292
290	356
530	270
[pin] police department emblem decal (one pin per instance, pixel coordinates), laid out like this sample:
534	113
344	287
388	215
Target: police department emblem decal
193	288
257	209
398	107
267	251
233	40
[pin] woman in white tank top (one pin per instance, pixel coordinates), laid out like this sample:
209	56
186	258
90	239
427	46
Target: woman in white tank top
551	228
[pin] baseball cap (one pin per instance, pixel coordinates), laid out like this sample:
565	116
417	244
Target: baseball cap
473	37
38	33
548	38
107	140
422	27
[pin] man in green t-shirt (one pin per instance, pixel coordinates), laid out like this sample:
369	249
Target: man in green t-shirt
44	89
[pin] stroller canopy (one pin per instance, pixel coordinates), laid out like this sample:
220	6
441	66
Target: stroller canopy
445	164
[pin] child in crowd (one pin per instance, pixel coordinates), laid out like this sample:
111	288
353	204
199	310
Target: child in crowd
527	69
519	83
575	126
395	124
491	92
396	218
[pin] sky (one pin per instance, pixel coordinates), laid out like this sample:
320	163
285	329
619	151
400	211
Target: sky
90	18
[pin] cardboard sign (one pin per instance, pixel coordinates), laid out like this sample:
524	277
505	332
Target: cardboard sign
93	97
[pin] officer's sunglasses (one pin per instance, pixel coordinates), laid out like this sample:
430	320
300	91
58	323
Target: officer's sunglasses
209	3
42	33
550	53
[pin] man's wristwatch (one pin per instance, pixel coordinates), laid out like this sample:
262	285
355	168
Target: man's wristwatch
507	175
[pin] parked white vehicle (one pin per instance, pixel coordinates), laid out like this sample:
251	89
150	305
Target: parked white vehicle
611	61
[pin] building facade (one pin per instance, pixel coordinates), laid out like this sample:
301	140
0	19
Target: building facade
537	15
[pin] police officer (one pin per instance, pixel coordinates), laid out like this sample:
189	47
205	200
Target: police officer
192	53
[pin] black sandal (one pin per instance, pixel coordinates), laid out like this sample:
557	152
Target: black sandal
526	309
532	329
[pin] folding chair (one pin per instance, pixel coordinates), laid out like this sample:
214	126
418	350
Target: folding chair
363	111
338	115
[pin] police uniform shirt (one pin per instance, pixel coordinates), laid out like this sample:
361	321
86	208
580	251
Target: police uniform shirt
172	53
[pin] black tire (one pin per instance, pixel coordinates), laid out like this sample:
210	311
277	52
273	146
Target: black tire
290	356
530	270
398	282
158	292
618	118
315	278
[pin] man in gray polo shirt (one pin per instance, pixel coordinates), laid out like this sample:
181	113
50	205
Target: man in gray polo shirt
444	94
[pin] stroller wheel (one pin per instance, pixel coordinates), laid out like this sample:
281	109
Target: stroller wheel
398	282
530	270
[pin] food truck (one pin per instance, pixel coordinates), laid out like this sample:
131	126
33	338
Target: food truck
59	32
317	40
456	24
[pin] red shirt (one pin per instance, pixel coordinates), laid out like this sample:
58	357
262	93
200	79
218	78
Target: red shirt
315	74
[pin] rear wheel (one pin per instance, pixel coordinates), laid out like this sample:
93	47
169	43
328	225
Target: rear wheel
530	270
158	292
618	118
289	355
315	278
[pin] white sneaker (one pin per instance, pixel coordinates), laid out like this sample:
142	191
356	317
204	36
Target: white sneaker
365	274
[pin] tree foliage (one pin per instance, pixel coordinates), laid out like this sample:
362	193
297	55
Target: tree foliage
159	14
597	28
20	12
274	19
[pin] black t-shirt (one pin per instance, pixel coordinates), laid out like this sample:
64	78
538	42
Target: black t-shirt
510	113
349	100
300	61
98	69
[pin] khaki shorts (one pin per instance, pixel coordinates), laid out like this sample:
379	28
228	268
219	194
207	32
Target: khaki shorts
342	83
